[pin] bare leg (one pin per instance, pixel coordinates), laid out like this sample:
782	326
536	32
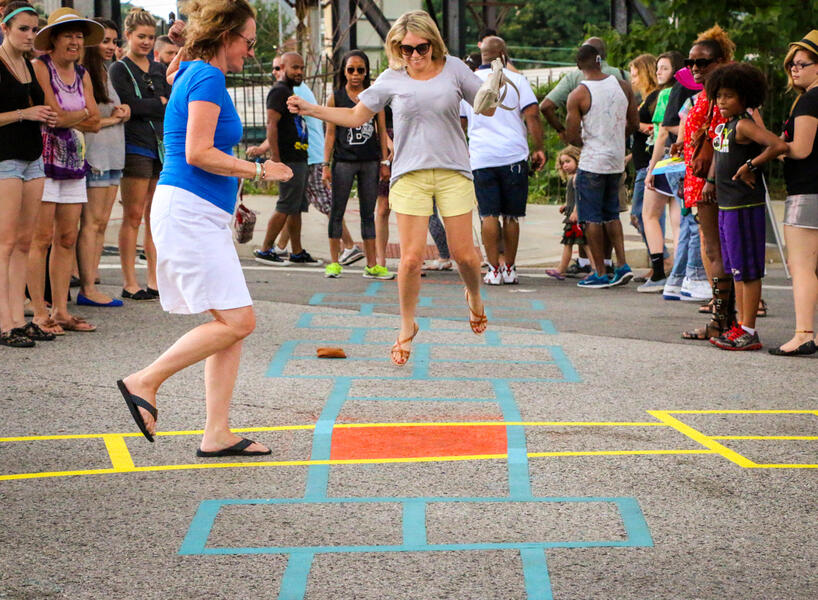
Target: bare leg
490	231
95	214
346	237
150	247
461	245
35	276
567	251
751	294
283	239
63	250
274	227
511	238
711	245
11	207
369	252
412	230
652	209
382	228
220	340
334	249
294	228
802	259
32	196
741	308
595	246
134	192
613	229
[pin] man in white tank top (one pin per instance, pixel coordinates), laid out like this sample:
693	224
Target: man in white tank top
601	112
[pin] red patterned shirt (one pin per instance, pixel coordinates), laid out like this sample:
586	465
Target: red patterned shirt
695	119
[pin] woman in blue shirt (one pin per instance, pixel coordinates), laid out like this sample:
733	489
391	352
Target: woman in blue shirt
198	269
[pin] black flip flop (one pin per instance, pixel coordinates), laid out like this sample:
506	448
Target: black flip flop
234	450
134	402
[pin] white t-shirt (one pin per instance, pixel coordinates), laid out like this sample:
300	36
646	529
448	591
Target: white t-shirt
502	139
426	117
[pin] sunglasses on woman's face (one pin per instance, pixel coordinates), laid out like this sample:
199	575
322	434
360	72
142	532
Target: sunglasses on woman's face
358	70
422	49
699	62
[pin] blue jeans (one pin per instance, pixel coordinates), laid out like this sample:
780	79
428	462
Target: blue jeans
597	196
688	261
636	208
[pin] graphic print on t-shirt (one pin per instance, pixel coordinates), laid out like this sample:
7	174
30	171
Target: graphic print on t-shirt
302	135
358	136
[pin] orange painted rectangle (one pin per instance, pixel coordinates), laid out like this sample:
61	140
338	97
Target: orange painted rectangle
417	442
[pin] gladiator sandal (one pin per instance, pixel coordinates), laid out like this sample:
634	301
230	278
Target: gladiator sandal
722	317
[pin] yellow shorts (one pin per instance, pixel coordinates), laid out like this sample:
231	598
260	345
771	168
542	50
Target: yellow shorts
414	193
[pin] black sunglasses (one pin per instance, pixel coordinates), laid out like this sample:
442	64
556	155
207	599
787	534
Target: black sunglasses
358	70
148	82
699	62
422	49
276	68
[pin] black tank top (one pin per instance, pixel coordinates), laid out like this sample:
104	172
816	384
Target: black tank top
21	140
729	156
356	144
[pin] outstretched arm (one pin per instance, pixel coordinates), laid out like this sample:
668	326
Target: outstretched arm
345	117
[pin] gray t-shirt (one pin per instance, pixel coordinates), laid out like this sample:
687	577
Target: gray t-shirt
426	117
105	150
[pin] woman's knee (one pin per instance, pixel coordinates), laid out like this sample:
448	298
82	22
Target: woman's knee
243	323
411	261
465	257
66	239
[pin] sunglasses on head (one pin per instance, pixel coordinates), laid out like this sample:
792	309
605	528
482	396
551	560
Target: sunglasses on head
422	49
699	62
358	70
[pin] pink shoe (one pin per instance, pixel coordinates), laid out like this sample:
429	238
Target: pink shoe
555	274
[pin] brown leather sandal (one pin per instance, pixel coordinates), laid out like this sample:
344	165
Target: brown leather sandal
479	324
398	355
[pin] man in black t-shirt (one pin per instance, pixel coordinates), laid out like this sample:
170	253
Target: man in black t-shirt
288	140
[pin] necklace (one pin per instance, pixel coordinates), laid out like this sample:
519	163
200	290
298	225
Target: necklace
13	67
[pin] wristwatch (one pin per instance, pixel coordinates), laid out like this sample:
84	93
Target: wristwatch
753	168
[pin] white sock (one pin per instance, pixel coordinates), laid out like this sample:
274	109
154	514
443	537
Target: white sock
584	262
608	262
748	329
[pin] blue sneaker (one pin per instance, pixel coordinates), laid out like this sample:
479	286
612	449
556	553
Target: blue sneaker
621	276
595	281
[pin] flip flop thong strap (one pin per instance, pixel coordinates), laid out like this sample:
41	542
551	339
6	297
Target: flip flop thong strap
142	403
241	445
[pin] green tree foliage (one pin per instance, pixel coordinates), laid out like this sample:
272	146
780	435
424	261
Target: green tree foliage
267	30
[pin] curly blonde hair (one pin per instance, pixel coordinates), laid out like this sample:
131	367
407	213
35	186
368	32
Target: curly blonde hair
137	18
570	151
422	25
209	20
719	43
645	65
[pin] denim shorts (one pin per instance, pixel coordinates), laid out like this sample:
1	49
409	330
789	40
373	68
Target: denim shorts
22	169
502	191
597	196
103	178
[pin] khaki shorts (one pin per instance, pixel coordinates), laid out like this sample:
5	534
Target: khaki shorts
415	193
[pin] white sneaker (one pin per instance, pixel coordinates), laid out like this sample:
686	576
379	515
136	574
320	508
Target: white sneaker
282	252
493	276
672	292
510	275
351	255
698	290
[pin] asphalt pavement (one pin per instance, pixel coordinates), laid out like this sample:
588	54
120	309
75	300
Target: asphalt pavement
579	449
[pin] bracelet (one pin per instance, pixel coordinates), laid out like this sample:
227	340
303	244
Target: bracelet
87	112
19	115
753	168
258	172
263	170
710	180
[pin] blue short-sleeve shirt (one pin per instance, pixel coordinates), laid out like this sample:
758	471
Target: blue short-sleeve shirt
199	81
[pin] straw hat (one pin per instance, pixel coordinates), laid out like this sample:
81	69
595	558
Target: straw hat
809	42
94	32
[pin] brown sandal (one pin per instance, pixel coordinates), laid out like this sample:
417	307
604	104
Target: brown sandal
712	329
398	355
50	326
479	324
77	324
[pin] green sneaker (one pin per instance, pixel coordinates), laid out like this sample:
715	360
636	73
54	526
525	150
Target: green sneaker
378	272
333	270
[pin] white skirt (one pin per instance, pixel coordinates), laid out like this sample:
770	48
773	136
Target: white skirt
197	266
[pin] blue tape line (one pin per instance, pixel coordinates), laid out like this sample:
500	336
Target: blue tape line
636	528
199	530
420	359
318	475
414	523
535	572
373	288
296	576
358	335
279	362
316	299
565	364
519	481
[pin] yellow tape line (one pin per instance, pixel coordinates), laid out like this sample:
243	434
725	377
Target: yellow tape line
118	451
364	461
737	412
765	437
87	436
702	439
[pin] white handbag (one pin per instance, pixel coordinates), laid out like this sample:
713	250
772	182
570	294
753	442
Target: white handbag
493	91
